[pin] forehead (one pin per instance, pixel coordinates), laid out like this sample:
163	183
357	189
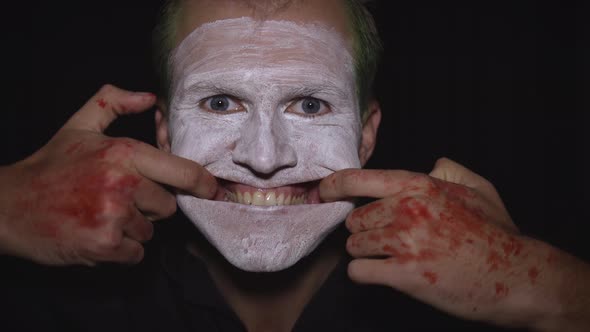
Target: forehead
263	56
248	42
329	13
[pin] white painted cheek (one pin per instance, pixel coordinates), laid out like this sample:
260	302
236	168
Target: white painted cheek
264	145
332	145
199	138
337	149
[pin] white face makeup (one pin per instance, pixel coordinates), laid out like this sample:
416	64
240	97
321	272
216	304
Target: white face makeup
269	108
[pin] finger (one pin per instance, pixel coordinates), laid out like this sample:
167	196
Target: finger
154	201
109	103
375	271
138	227
174	171
370	216
370	244
398	210
129	251
390	272
369	183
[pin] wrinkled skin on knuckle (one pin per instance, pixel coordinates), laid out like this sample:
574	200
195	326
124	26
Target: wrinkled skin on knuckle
424	181
420	184
416	207
137	255
351	243
112	208
62	253
349	179
348	223
116	150
169	207
106	90
107	242
191	177
149	234
353	272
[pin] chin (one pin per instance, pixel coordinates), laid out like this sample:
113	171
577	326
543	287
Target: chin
264	229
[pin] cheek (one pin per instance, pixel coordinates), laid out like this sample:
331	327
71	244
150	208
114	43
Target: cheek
333	147
200	139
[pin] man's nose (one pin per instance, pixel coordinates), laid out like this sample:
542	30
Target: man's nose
264	145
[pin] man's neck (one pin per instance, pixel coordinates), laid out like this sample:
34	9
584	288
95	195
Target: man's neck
273	301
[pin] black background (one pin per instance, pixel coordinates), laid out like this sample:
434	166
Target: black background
501	87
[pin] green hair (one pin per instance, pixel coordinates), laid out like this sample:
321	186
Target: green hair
366	50
164	40
366	46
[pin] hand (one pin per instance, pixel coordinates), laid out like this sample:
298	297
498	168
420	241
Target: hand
85	197
445	239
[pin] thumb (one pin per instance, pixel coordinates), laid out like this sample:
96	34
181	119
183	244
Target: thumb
450	171
106	105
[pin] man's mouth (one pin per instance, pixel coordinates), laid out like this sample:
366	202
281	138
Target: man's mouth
295	194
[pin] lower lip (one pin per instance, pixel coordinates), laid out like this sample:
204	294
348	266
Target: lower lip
267	211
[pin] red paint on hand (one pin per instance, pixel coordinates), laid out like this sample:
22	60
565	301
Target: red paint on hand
533	274
501	289
431	277
413	208
512	247
455	191
74	148
115	149
101	103
364	211
374	237
495	261
87	193
84	200
405	257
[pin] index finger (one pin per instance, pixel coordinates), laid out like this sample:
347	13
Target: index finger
107	105
175	171
350	183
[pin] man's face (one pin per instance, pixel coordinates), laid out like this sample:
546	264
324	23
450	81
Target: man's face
269	107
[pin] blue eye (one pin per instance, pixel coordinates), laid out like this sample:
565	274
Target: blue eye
221	104
309	107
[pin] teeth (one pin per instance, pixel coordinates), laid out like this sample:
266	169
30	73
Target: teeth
261	199
247	198
230	197
271	199
281	199
258	198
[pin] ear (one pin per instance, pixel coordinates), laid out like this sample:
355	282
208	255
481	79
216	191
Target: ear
372	119
162	126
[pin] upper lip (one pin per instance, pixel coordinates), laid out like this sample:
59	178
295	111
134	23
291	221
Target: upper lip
305	172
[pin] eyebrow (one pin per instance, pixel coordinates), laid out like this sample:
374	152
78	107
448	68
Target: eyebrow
213	88
311	89
315	88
